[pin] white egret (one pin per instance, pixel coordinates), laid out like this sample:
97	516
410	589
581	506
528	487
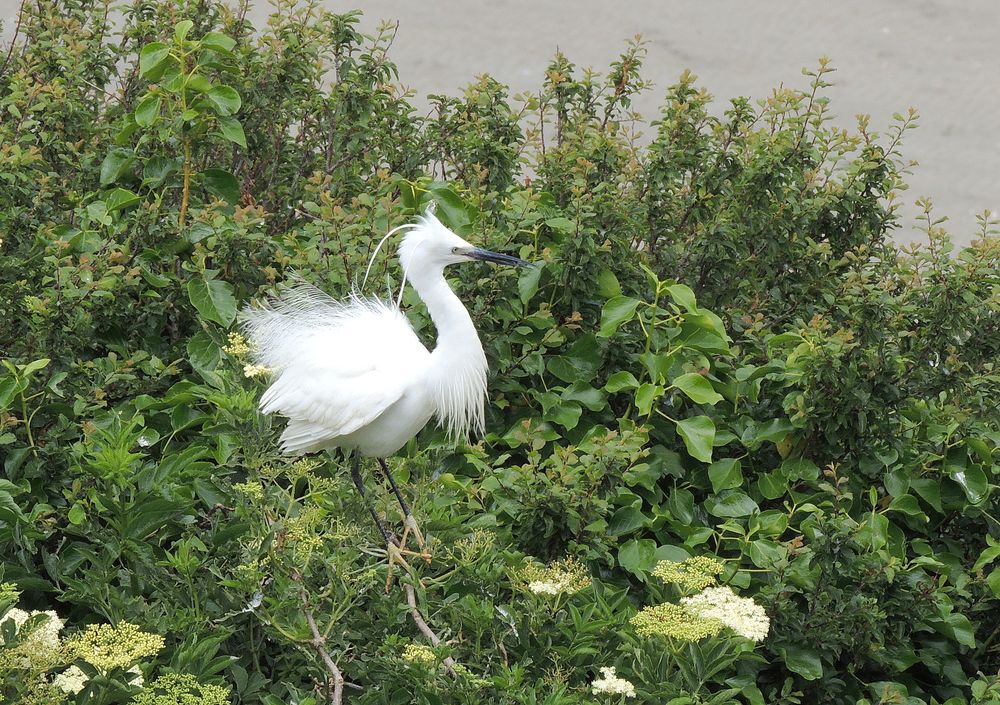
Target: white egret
352	374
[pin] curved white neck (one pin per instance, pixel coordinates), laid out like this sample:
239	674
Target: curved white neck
456	379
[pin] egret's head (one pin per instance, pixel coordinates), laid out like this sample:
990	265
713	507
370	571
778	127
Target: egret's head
432	245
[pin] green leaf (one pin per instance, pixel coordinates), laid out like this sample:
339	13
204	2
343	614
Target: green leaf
646	395
156	170
223	184
621	380
593	399
907	504
232	130
683	297
617	311
181	29
153	60
527	283
725	474
214	300
77	515
732	504
973	482
697	388
698	433
119	198
148	110
115	164
224	99
803	661
637	556
566	415
993	580
607	284
216	41
625	521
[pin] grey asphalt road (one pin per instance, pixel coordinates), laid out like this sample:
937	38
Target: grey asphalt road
939	56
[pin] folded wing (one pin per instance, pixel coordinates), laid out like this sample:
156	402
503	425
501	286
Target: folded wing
337	365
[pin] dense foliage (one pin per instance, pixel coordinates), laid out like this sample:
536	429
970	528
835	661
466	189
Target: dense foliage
724	358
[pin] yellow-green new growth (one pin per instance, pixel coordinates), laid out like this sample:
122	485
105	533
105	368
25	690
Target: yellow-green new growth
418	653
567	576
692	574
181	689
106	647
674	621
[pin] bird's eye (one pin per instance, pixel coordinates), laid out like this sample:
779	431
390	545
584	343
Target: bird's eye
454	250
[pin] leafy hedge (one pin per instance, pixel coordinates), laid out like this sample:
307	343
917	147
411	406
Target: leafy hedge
724	355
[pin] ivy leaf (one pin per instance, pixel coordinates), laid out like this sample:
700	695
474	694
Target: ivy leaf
621	380
698	433
697	388
214	300
617	311
232	130
725	474
225	100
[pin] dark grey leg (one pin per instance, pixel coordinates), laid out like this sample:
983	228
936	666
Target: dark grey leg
395	489
360	485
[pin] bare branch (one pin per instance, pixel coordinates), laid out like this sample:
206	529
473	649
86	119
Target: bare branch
318	642
418	619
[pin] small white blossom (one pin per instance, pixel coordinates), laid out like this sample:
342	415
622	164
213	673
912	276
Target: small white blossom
610	683
545	587
72	680
741	614
251	371
43	643
144	442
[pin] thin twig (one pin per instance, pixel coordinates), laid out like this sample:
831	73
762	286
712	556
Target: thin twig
418	619
318	641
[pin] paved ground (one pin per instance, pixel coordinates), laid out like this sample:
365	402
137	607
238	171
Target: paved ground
940	56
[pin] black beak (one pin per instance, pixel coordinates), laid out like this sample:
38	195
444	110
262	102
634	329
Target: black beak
497	258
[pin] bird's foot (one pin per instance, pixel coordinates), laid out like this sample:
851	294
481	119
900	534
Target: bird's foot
410	527
397	556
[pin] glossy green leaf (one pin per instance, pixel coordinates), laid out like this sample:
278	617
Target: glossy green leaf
148	110
697	388
725	474
617	311
118	161
620	381
119	198
698	434
216	41
232	130
683	296
214	300
224	99
804	661
222	184
152	60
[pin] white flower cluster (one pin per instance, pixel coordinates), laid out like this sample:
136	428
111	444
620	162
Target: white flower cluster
545	587
43	643
611	684
72	680
251	371
741	614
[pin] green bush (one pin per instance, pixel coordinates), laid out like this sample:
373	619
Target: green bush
723	360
